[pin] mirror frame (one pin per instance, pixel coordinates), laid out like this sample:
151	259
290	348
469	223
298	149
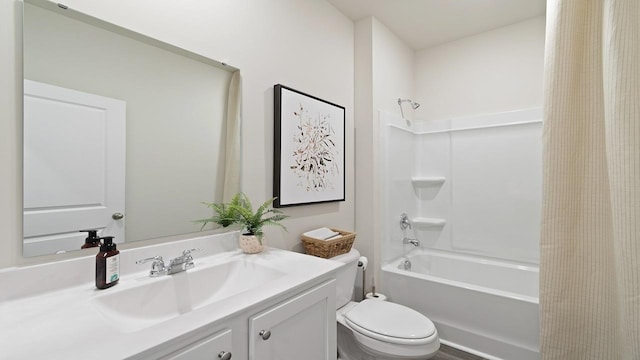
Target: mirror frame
94	21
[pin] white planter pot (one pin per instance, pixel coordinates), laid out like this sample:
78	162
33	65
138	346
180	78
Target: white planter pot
250	244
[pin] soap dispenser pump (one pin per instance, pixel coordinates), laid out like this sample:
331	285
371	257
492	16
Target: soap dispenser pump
107	264
92	239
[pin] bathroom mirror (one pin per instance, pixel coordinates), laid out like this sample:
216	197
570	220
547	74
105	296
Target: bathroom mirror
122	133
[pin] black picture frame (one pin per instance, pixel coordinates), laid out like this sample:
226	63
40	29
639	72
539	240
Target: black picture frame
309	149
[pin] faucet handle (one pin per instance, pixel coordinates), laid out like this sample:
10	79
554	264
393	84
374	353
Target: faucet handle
157	267
189	251
154	259
404	221
188	258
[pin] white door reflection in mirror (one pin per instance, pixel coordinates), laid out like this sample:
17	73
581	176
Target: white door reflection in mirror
74	167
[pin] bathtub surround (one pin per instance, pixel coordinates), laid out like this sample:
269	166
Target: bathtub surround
495	71
471	188
450	177
590	249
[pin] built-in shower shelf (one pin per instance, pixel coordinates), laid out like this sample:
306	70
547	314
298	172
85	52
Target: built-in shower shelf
422	222
426	181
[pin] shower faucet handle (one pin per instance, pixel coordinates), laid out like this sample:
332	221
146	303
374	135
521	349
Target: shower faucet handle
404	221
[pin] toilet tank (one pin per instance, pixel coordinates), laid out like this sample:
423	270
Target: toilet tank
346	276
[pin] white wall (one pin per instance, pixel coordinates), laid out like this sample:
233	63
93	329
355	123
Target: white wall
384	68
393	69
495	71
397	196
305	44
366	238
10	134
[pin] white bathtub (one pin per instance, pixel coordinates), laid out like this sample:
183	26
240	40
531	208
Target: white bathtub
487	307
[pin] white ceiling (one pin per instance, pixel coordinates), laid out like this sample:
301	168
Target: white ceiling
425	23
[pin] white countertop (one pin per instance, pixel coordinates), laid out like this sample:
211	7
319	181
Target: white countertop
66	324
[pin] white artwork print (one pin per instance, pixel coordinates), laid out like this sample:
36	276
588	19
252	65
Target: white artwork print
312	150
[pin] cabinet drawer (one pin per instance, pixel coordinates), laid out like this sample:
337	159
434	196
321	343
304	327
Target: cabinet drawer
214	347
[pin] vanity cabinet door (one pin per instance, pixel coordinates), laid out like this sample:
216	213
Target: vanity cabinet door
215	347
303	327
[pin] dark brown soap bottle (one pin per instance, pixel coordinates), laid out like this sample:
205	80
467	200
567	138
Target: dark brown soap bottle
92	239
107	264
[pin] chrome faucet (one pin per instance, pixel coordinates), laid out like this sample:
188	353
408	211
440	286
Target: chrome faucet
182	262
176	265
414	242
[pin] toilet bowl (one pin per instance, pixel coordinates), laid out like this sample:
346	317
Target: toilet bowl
382	330
375	329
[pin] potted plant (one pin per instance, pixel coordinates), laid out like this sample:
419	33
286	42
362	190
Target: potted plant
225	214
251	240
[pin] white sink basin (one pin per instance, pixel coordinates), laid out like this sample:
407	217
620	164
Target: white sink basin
151	301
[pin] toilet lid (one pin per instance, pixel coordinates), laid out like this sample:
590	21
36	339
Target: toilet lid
389	320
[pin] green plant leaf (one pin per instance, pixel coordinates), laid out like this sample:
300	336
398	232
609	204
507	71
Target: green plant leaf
225	214
254	221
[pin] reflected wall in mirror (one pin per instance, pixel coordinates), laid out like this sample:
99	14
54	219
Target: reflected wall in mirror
123	133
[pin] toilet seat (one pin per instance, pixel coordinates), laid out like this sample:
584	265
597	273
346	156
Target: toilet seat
390	323
388	339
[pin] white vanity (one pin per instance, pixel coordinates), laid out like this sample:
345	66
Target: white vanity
273	305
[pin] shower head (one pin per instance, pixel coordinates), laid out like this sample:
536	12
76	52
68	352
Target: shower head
414	105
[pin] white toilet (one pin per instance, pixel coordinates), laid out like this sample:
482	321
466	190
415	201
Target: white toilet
375	329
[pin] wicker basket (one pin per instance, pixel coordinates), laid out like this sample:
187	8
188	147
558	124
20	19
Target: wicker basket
329	248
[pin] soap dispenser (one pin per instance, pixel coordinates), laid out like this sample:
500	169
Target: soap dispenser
107	264
92	239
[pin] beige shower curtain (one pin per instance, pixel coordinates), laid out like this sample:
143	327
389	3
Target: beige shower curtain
233	155
590	239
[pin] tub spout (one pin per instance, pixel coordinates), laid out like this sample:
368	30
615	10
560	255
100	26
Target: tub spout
414	242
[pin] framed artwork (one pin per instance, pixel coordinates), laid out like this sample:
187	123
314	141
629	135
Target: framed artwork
309	149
